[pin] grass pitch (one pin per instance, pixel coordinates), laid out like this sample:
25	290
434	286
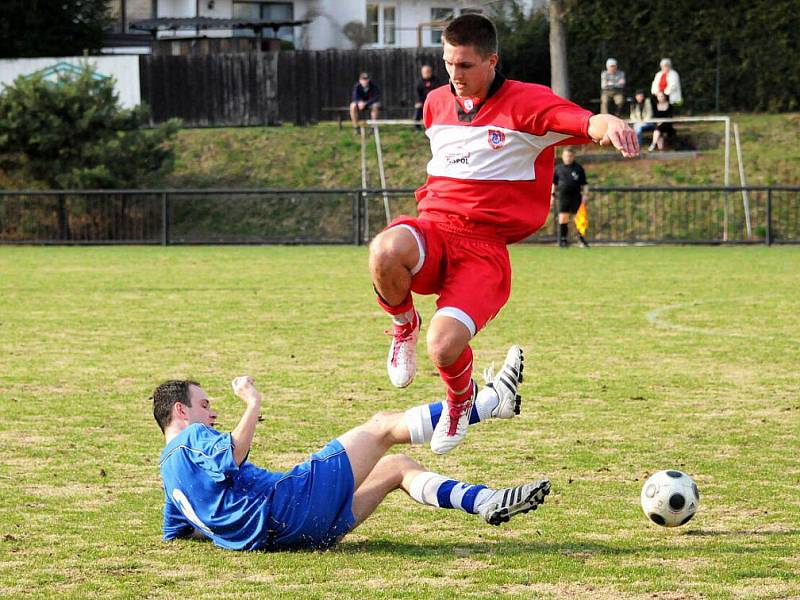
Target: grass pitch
638	359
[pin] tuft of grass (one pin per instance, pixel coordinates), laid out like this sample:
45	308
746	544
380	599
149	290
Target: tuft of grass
637	359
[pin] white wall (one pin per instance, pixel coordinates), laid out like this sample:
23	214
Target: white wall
328	18
124	69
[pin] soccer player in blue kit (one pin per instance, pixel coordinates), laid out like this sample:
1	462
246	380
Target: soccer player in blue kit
213	491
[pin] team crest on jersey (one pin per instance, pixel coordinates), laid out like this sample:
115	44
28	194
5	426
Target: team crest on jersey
496	139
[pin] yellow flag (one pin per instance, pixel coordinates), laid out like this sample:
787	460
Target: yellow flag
581	219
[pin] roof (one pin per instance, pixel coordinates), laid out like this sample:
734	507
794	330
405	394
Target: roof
175	23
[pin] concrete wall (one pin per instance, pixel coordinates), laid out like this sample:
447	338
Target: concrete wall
124	70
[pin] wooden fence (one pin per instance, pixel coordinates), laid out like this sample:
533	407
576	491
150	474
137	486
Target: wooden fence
268	88
211	90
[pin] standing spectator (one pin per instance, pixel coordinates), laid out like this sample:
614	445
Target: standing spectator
366	95
667	81
569	180
641	112
662	109
428	82
612	85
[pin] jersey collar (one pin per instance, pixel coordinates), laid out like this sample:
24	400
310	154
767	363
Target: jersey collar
468	108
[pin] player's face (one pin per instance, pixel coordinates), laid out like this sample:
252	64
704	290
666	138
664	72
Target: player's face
200	411
470	73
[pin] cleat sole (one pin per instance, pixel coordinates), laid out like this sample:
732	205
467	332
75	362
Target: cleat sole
528	504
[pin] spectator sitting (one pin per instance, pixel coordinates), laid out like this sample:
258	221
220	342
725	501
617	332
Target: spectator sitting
641	112
428	82
366	95
662	109
667	81
612	85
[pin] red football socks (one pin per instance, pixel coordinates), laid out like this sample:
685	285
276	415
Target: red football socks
458	377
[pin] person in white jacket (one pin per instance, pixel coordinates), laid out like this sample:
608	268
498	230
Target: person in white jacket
667	81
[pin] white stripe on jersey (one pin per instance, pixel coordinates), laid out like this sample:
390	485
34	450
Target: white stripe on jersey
466	152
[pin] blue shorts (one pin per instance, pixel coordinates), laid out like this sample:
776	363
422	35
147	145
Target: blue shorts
312	504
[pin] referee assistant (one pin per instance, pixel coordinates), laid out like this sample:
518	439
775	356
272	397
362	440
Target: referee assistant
569	181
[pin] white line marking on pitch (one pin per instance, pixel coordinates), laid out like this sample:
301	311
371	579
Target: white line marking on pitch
654	317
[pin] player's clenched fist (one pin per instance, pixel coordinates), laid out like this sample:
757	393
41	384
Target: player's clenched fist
243	388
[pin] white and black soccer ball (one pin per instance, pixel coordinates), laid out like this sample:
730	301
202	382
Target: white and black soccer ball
670	498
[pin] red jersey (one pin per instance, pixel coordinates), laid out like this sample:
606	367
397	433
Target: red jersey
491	167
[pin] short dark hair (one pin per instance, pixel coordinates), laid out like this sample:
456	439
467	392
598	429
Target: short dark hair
472	29
166	395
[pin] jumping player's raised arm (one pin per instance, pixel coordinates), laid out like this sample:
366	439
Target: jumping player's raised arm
242	436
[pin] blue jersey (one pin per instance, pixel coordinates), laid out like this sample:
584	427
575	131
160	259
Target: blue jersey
206	490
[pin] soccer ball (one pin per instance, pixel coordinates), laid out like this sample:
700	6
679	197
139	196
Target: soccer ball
670	498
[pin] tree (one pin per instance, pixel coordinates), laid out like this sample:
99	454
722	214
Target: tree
522	37
31	28
357	33
74	134
559	71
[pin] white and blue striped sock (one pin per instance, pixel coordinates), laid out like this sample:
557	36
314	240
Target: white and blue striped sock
432	489
422	420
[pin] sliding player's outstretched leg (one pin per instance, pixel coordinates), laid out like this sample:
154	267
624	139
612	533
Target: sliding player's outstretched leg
507	502
495	506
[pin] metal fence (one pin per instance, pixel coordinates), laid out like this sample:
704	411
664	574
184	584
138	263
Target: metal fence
623	215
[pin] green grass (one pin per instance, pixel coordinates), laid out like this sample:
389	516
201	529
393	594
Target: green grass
325	156
328	157
638	359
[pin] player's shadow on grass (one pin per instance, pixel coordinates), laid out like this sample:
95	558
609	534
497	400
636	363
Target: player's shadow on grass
742	532
433	549
577	550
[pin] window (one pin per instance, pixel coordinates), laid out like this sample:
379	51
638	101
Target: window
446	14
388	25
439	14
265	11
381	25
372	24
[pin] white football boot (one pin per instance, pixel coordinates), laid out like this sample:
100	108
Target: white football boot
504	385
402	360
452	425
507	502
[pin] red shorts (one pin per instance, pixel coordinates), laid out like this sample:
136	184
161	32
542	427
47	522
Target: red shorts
471	274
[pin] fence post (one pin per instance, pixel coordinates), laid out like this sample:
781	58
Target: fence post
768	236
164	219
357	219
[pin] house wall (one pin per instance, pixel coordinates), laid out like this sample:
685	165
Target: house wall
328	18
136	10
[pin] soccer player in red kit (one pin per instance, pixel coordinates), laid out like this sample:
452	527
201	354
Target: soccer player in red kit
488	186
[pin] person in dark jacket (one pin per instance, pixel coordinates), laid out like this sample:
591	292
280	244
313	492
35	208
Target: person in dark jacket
571	187
366	96
428	82
662	109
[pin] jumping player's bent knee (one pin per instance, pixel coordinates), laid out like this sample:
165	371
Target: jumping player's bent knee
395	246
